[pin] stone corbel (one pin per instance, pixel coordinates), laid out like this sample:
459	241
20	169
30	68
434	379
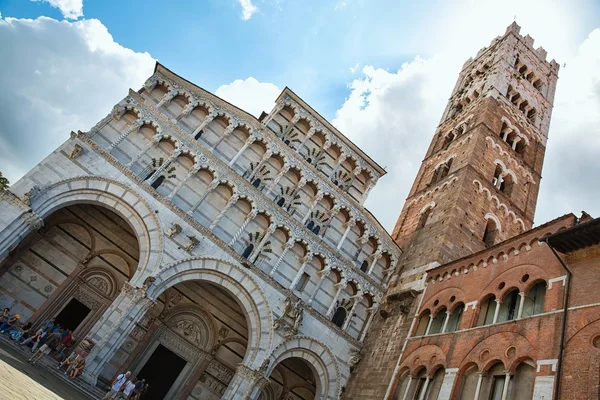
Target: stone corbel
173	231
77	151
193	243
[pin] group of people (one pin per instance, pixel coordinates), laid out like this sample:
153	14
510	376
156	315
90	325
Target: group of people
126	387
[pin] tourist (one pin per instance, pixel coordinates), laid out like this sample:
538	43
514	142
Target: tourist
9	323
49	345
116	386
35	339
65	340
137	390
67	362
77	368
20	332
4	314
127	389
48	325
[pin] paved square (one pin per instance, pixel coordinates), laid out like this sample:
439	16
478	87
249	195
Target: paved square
21	381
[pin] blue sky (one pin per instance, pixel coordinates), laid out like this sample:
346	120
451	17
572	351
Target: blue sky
380	70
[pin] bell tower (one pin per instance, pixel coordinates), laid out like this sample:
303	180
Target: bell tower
477	186
479	181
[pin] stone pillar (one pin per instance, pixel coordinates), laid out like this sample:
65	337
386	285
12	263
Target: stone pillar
366	193
204	123
338	165
309	134
448	314
296	279
189	175
186	111
249	141
213	185
153	143
288	245
134	127
323	276
349	226
240	231
408	385
318	198
277	179
167	98
246	384
161	169
428	325
447	384
262	161
514	145
522	296
478	387
376	258
497	310
340	287
507	132
111	330
506	382
357	299
424	388
232	200
365	330
263	241
230	128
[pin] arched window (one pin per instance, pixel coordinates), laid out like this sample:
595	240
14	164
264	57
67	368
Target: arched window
198	135
423	218
287	141
316	229
446	169
535	299
448	140
486	311
149	175
309	160
256	182
364	266
422	326
339	317
248	251
506	186
509	307
491	231
455	317
158	182
310	225
438	322
497	179
281	202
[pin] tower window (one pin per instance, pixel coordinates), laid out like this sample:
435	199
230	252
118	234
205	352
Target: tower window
491	231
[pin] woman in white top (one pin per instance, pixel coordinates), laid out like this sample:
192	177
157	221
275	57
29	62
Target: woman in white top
127	392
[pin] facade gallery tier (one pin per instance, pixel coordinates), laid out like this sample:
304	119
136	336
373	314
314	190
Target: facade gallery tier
182	234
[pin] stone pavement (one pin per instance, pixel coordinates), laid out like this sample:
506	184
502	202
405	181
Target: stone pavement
21	381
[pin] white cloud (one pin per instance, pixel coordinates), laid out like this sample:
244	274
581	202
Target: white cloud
63	76
393	116
340	5
355	68
250	95
248	9
70	9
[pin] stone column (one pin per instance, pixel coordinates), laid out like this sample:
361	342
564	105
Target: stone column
424	388
338	165
447	384
232	200
288	245
186	111
307	259
514	145
507	132
213	185
134	127
167	98
204	123
160	170
478	387
154	142
246	384
273	113
522	296
448	314
111	330
240	231
189	175
365	330
349	226
262	161
263	241
506	382
277	179
357	299
340	287
428	325
378	254
408	385
497	310
309	134
318	198
323	275
366	193
230	128
249	141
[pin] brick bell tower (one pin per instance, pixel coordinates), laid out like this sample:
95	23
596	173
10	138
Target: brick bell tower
477	186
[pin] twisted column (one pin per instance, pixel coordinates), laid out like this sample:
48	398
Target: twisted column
232	200
289	244
340	286
213	185
204	123
134	127
240	231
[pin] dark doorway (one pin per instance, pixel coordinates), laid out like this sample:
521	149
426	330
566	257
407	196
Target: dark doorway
161	370
72	315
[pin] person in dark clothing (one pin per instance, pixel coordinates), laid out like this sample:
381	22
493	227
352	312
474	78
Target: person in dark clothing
49	345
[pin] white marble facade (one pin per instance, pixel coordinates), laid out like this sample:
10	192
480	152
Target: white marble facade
240	244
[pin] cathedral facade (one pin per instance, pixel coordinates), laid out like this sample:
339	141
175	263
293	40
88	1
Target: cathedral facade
215	254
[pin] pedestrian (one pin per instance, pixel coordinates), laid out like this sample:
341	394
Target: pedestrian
116	385
127	389
48	325
20	332
49	345
4	314
9	323
35	339
137	390
65	340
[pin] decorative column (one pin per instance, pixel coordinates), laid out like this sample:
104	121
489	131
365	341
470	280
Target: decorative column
338	165
246	384
514	145
506	382
323	274
447	384
189	175
249	141
340	286
288	245
478	387
187	110
448	314
496	311
357	298
285	169
309	134
263	241
376	256
230	128
424	388
134	127
507	132
372	310
232	200
268	118
367	191
213	185
290	126
167	98
428	325
111	330
349	226
305	260
522	296
326	225
155	140
204	123
262	161
160	170
408	385
318	198
240	231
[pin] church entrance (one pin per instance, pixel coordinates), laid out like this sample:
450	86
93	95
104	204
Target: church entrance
160	371
72	315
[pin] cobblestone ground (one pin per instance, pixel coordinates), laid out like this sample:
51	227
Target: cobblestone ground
21	381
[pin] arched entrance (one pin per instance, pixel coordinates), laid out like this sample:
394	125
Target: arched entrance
291	379
72	268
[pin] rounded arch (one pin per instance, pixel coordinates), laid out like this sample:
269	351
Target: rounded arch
116	197
318	356
235	280
202	316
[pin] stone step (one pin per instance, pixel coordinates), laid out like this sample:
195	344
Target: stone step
50	364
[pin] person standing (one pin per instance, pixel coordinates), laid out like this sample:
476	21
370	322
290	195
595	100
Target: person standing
137	390
128	389
49	345
116	386
4	314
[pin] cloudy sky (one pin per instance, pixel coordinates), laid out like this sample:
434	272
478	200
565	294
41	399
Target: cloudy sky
381	70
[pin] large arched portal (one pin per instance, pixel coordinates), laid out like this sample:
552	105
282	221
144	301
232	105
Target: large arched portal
291	379
72	268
